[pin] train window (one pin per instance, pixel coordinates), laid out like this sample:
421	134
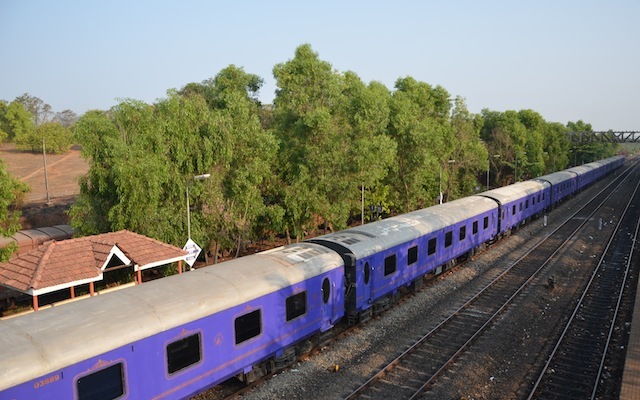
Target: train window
543	196
486	222
448	239
296	305
539	197
475	227
248	326
513	210
520	208
108	383
183	353
463	233
432	246
533	201
367	273
326	290
412	255
526	204
390	265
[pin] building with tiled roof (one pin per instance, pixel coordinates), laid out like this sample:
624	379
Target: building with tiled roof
65	264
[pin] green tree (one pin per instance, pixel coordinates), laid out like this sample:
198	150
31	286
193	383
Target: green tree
12	192
371	153
556	147
469	152
505	135
311	129
56	138
143	156
244	167
15	120
420	126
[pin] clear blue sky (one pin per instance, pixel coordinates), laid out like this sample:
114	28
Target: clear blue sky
567	60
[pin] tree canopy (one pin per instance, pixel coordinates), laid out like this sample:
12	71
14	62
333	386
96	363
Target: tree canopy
329	145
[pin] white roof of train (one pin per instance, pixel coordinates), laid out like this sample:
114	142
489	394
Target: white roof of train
36	344
515	191
375	236
557	177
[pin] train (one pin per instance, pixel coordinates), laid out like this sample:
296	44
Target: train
175	337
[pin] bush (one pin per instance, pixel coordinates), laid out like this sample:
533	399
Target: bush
58	139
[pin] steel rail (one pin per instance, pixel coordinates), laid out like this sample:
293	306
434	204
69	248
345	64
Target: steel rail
581	301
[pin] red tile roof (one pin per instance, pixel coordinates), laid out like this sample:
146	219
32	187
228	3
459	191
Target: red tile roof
61	264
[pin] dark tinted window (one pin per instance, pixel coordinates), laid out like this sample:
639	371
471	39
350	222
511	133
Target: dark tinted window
248	326
326	290
106	384
390	265
486	222
475	227
183	353
412	255
432	246
448	239
526	204
513	210
463	233
367	273
296	305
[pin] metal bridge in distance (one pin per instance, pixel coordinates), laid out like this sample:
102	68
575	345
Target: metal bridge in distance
605	137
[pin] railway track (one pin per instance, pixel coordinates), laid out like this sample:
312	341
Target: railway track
408	375
577	364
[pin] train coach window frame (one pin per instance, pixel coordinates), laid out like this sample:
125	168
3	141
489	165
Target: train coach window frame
475	227
463	233
248	326
296	305
390	265
432	246
485	222
412	255
183	353
513	210
106	383
448	239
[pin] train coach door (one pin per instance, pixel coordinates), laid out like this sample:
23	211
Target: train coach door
366	280
327	303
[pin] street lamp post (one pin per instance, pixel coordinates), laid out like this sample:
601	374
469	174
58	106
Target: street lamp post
196	178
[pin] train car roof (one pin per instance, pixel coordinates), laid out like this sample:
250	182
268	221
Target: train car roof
557	177
379	235
582	169
516	191
39	343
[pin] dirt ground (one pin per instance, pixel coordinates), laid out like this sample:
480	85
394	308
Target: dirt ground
63	171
